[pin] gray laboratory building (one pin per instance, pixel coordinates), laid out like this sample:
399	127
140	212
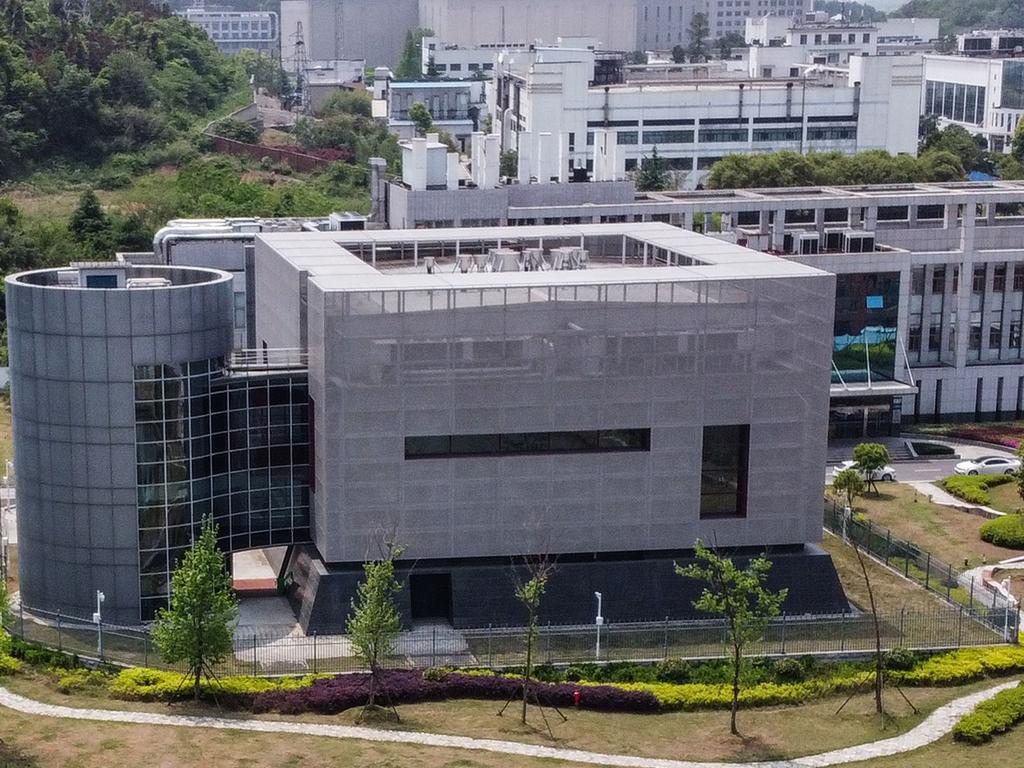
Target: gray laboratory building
600	394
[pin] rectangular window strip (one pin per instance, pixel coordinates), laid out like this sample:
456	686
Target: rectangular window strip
527	443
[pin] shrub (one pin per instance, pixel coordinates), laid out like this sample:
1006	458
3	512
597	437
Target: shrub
931	449
436	674
997	715
901	659
1006	531
337	694
8	665
158	685
696	696
973	488
81	679
673	671
963	666
36	656
790	671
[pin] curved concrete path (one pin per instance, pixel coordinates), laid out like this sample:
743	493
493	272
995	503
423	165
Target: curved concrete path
937	725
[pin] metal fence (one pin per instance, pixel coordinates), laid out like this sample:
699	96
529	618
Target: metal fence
260	654
935	575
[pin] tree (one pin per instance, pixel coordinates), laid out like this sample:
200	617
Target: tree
727	42
699	31
410	63
678	54
88	224
530	593
653	174
421	118
1017	145
374	623
5	605
199	625
509	164
972	151
636	57
847	486
871	458
741	598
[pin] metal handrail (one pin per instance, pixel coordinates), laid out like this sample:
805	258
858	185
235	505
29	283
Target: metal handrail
268	359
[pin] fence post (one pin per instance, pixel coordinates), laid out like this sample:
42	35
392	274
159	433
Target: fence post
783	633
971	596
902	616
21	617
60	644
959	626
145	650
949	579
490	656
664	641
888	545
928	571
842	631
314	653
906	565
547	645
99	638
433	646
254	654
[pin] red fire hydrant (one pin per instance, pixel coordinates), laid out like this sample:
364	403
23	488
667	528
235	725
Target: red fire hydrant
576	698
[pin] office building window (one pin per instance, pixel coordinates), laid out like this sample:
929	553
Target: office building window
520	443
668	137
723	471
627	137
939	280
722	135
978	280
999	279
914	339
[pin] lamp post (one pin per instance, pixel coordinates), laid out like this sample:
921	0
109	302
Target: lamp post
98	621
3	534
598	621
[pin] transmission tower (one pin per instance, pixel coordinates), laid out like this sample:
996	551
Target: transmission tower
76	9
299	64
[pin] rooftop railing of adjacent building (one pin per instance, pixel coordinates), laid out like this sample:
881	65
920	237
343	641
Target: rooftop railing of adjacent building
277	359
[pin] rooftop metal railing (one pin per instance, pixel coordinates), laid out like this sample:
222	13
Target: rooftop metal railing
277	359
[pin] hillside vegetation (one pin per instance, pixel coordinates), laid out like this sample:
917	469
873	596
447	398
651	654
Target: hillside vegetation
965	15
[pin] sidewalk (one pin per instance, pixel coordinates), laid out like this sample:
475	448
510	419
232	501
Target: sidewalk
937	495
935	726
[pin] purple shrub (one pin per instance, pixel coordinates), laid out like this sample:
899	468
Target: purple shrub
336	694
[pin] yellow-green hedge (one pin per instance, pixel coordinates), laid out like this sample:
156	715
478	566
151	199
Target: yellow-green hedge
997	715
8	664
963	666
154	684
693	696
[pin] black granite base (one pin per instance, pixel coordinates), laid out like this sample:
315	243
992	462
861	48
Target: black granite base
634	587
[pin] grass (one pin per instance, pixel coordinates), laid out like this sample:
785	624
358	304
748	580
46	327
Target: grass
768	733
1005	498
946	532
892	593
1002	752
6	445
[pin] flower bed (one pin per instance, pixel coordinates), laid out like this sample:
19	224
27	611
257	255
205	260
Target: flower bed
328	697
1009	434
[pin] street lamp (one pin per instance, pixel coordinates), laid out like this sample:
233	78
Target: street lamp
598	621
97	619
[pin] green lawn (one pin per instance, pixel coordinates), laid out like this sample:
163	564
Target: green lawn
1005	498
946	532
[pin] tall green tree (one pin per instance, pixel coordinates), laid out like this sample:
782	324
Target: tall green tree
653	174
1017	146
741	597
421	118
374	623
698	32
847	486
199	625
410	62
870	459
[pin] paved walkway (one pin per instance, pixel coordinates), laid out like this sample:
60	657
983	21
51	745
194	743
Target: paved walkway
937	725
942	497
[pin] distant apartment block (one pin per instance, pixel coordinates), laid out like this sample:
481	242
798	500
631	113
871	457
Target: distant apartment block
234	31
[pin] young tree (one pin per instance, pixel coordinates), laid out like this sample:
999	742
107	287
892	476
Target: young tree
738	596
530	593
374	623
199	626
678	54
847	486
421	118
410	64
871	458
509	167
653	174
699	31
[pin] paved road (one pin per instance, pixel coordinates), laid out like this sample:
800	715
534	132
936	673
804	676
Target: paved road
921	470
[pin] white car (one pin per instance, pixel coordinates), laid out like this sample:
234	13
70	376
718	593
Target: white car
886	473
988	465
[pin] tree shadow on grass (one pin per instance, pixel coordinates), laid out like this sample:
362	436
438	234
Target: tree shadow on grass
12	757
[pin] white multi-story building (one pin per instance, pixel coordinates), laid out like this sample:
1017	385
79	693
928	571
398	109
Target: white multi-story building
461	62
234	31
983	95
555	101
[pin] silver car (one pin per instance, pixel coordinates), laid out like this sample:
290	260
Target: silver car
988	465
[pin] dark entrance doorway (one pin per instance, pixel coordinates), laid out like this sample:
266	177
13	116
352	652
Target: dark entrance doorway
430	595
